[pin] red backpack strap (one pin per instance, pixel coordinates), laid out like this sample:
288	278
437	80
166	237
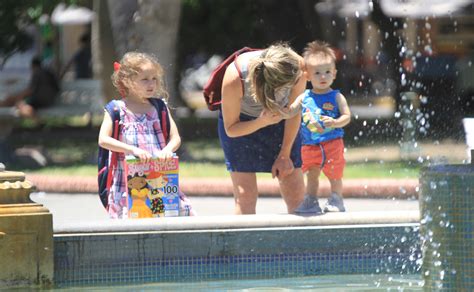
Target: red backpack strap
164	123
240	74
162	111
114	111
237	54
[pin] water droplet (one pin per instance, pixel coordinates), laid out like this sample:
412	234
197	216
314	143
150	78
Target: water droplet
137	17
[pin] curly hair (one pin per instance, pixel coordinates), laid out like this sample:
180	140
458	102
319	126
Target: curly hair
130	66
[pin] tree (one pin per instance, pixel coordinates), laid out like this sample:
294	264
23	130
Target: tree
103	50
14	19
147	25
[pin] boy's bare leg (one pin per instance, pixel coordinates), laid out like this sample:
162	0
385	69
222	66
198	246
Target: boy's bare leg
245	192
336	186
312	181
335	202
310	205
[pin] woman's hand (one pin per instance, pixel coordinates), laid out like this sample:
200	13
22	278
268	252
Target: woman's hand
269	118
282	167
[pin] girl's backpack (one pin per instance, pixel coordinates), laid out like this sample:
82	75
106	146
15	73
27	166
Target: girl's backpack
107	163
212	91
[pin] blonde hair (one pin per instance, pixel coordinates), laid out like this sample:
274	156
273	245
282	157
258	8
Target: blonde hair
277	66
319	48
130	66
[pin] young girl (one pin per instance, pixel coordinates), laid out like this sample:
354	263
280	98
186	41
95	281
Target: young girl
138	77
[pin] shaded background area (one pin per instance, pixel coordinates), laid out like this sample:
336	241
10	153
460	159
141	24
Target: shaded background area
380	55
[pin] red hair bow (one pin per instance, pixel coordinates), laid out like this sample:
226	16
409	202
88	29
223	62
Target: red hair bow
116	66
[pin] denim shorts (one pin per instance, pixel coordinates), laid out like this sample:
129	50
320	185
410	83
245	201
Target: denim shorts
257	151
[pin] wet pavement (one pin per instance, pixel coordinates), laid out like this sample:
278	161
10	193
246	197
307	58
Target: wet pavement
87	207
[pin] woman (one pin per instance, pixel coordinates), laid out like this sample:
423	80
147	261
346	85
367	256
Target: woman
258	125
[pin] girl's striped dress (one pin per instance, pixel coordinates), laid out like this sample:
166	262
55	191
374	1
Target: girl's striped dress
142	131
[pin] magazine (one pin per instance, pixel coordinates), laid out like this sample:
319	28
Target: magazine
153	189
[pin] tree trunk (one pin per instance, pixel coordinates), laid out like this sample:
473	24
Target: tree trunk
123	27
103	53
148	26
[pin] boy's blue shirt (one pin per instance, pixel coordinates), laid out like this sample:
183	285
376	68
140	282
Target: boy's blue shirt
316	105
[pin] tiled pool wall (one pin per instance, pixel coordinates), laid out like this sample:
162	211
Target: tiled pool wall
180	256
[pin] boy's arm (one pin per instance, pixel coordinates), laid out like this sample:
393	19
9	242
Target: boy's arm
292	125
295	106
344	119
283	165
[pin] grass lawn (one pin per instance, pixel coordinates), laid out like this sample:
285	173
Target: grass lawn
208	169
200	158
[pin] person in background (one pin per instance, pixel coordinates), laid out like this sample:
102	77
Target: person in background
138	77
41	92
82	59
324	113
258	127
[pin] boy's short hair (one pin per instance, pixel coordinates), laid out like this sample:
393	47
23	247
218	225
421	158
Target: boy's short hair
319	47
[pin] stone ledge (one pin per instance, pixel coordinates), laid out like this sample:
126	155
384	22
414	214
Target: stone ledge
233	222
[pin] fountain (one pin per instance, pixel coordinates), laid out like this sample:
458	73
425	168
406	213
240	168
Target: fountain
447	217
409	148
26	234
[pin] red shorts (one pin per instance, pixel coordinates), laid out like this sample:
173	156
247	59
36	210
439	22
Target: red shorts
328	155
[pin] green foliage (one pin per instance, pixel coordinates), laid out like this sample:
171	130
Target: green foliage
211	169
15	17
213	25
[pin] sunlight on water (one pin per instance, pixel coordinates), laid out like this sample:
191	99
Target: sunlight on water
333	283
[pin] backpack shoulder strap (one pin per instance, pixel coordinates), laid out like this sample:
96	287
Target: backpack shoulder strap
239	71
114	111
162	110
237	66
